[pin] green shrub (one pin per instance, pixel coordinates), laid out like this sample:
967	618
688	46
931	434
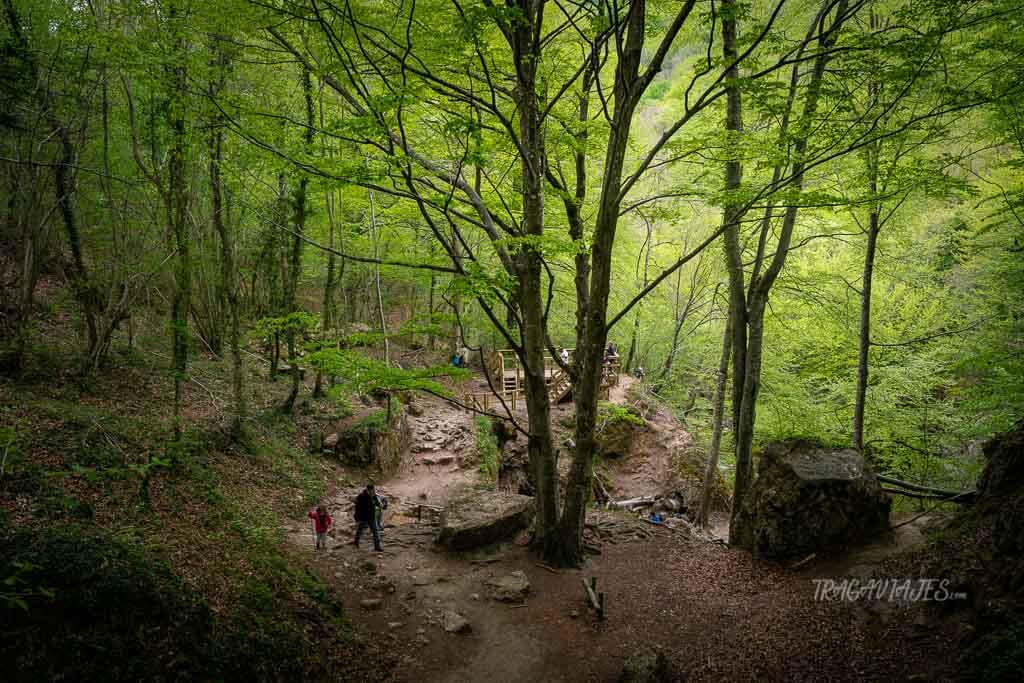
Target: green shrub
487	449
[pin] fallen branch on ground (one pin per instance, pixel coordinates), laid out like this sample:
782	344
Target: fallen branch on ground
910	486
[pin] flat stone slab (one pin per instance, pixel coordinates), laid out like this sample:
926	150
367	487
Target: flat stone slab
480	518
512	587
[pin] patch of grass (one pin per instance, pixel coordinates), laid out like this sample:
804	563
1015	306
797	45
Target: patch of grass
610	415
487	449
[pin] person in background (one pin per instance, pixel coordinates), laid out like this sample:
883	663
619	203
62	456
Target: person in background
639	372
564	355
366	516
380	504
321	525
457	360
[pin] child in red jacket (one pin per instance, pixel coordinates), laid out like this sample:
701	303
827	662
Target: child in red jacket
321	523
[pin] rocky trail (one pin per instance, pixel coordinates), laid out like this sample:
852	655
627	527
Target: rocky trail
499	615
442	436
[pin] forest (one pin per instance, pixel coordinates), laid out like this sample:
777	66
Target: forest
229	226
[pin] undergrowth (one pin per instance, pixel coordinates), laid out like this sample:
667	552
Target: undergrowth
487	449
125	555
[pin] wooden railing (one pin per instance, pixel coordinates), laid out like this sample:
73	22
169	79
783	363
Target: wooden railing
500	361
487	401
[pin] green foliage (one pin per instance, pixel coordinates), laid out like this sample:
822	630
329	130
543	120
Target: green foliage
487	449
611	415
298	322
363	375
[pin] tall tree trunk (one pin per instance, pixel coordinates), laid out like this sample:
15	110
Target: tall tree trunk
717	419
431	337
524	36
731	216
864	338
382	318
228	271
590	351
177	209
636	317
275	273
454	342
295	265
745	400
327	321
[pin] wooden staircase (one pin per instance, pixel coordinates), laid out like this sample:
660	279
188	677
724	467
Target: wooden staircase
506	379
559	386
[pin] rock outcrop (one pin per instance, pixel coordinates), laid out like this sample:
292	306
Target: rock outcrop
1001	490
808	498
372	441
479	518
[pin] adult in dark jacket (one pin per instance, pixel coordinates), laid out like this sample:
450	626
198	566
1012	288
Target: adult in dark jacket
366	515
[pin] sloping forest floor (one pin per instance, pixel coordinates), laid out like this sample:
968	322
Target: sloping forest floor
716	613
123	559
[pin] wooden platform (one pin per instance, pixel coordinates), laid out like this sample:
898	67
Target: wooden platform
507	379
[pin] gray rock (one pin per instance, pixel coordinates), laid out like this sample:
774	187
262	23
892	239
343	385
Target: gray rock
368	566
331	441
646	666
807	498
370	604
454	622
513	587
479	518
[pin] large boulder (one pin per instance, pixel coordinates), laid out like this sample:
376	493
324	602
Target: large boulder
1001	489
478	518
373	440
808	498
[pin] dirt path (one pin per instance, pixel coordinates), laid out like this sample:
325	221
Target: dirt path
651	466
717	613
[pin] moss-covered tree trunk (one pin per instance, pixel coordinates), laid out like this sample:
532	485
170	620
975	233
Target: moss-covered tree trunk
228	271
295	257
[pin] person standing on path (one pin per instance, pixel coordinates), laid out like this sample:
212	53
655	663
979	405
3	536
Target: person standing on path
380	504
321	524
366	516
